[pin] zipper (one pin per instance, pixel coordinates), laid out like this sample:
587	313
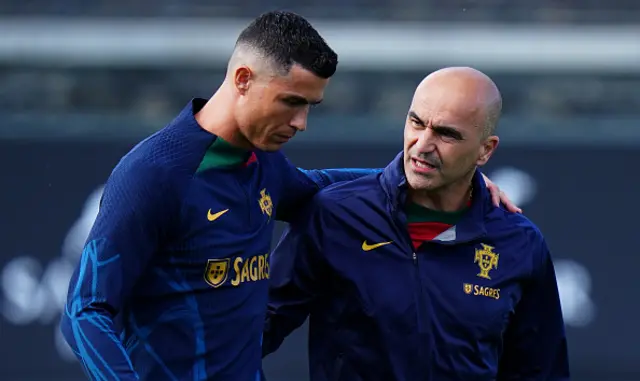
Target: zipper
421	297
422	294
421	310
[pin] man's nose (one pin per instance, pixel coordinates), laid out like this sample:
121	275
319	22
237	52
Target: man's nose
299	120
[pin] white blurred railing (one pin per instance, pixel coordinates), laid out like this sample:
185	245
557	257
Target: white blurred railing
361	45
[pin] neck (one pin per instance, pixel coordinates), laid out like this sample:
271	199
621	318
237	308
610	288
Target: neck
217	118
451	198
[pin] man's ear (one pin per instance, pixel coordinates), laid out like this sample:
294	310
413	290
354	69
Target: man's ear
242	79
487	149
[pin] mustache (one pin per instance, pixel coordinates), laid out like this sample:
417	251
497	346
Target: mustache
429	158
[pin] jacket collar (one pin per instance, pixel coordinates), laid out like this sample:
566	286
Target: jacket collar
471	225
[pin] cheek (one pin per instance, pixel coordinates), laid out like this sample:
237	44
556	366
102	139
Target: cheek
277	110
461	157
276	119
250	111
410	138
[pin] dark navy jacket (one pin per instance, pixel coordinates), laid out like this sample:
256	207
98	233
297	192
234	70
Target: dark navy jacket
478	303
178	255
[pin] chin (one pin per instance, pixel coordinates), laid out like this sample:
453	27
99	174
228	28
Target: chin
264	145
269	147
421	183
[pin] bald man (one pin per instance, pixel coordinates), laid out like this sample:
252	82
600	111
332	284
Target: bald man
413	274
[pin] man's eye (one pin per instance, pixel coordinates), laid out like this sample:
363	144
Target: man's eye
293	102
450	135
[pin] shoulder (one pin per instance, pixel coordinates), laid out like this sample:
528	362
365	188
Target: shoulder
175	148
519	234
143	171
501	220
137	169
347	192
339	201
279	169
137	184
275	159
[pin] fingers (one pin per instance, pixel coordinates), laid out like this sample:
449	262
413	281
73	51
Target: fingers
508	204
498	196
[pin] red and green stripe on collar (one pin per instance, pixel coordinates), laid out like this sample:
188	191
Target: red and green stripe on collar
426	224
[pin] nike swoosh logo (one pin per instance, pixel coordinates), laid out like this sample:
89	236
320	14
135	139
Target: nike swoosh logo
214	216
367	247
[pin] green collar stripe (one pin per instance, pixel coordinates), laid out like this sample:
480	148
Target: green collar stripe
417	213
222	154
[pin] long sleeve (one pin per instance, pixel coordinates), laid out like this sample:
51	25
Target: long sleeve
299	185
297	268
136	210
535	345
325	177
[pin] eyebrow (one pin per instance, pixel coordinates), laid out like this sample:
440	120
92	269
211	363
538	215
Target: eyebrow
415	116
302	100
437	128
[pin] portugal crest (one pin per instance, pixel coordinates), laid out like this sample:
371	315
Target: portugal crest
217	272
266	205
487	260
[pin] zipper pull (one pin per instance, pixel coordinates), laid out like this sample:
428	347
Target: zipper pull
415	259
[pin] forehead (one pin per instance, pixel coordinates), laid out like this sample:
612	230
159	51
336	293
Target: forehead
450	106
300	82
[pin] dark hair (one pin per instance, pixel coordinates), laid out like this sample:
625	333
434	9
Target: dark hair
288	38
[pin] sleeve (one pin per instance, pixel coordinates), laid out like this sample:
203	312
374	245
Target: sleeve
325	177
535	345
299	185
297	269
134	216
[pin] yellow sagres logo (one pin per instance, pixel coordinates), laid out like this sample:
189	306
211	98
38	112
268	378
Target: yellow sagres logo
266	205
214	216
474	289
251	269
216	272
369	247
487	259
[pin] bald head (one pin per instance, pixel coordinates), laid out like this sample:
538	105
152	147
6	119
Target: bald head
449	134
471	91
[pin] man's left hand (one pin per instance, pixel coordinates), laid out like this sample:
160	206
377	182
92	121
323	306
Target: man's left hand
498	196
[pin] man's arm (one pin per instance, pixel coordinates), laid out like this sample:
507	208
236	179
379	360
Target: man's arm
135	212
296	270
535	345
299	185
325	177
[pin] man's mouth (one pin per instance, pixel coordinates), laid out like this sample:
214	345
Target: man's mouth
283	137
422	166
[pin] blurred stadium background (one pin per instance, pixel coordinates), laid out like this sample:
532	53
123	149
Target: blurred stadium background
82	81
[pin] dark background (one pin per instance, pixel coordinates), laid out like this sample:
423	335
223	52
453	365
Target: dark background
584	199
